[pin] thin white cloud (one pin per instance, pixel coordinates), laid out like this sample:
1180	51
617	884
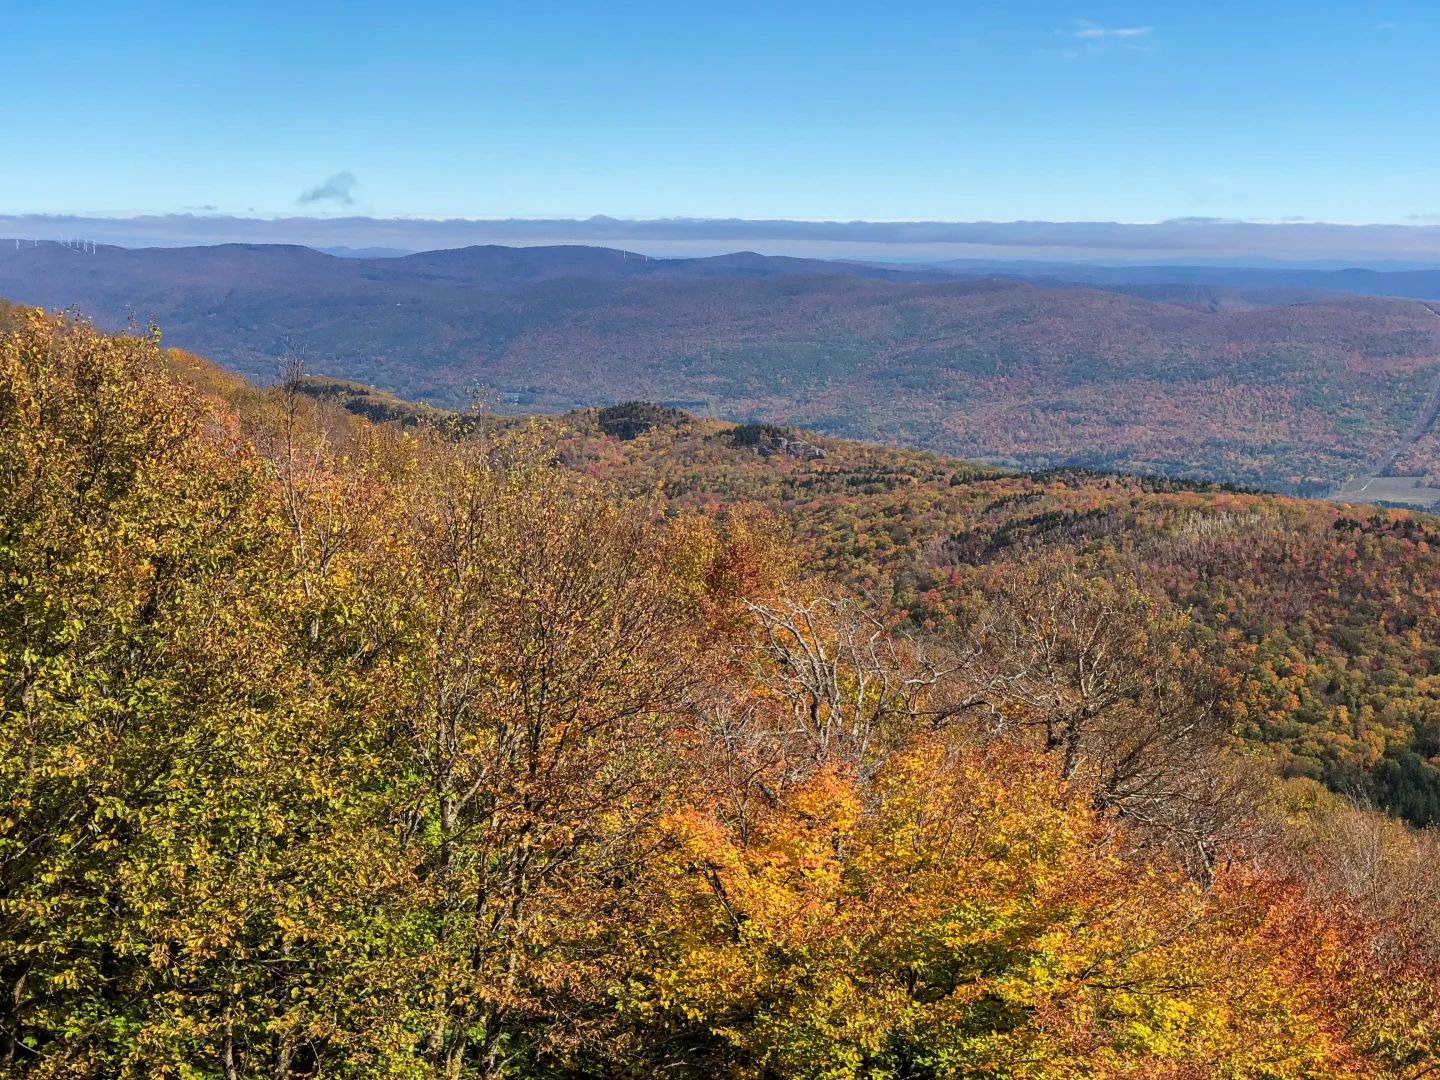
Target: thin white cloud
1091	30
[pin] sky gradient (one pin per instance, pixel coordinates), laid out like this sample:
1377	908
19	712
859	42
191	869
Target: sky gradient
1126	112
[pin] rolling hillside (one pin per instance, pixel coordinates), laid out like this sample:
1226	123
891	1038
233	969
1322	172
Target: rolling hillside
653	740
1293	396
1322	620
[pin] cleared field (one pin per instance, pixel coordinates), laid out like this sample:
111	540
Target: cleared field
1391	489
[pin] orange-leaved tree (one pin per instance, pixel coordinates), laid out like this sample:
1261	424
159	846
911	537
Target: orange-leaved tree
966	913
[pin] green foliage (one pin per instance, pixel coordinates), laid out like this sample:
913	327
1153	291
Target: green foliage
366	401
1408	786
755	434
629	419
381	408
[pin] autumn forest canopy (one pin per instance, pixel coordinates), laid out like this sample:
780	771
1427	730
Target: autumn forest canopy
1280	381
348	737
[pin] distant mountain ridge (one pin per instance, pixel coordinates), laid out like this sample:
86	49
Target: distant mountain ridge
46	267
497	266
1290	386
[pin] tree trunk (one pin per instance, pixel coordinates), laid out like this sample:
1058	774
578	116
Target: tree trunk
455	1059
227	1054
282	1057
11	1014
1072	752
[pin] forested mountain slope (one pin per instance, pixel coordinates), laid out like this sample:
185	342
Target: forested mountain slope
1325	619
1294	396
345	737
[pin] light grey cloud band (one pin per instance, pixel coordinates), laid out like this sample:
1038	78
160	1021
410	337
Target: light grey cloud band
1203	239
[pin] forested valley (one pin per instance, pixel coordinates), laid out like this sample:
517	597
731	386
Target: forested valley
1291	390
342	737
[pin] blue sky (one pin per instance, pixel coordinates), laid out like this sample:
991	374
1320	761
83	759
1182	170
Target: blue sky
883	111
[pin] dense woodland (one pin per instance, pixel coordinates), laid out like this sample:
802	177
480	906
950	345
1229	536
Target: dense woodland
347	738
1290	396
1323	621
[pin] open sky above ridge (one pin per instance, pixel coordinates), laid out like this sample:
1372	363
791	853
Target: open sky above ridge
1047	111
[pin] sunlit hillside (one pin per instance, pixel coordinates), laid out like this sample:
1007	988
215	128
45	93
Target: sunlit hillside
342	736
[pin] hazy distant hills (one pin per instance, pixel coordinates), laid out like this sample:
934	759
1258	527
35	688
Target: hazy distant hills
58	271
1416	283
1218	286
1261	377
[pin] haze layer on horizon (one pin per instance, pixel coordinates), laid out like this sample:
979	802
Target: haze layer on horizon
1192	241
1313	110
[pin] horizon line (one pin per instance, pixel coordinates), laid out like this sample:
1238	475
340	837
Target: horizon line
1420	222
905	240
